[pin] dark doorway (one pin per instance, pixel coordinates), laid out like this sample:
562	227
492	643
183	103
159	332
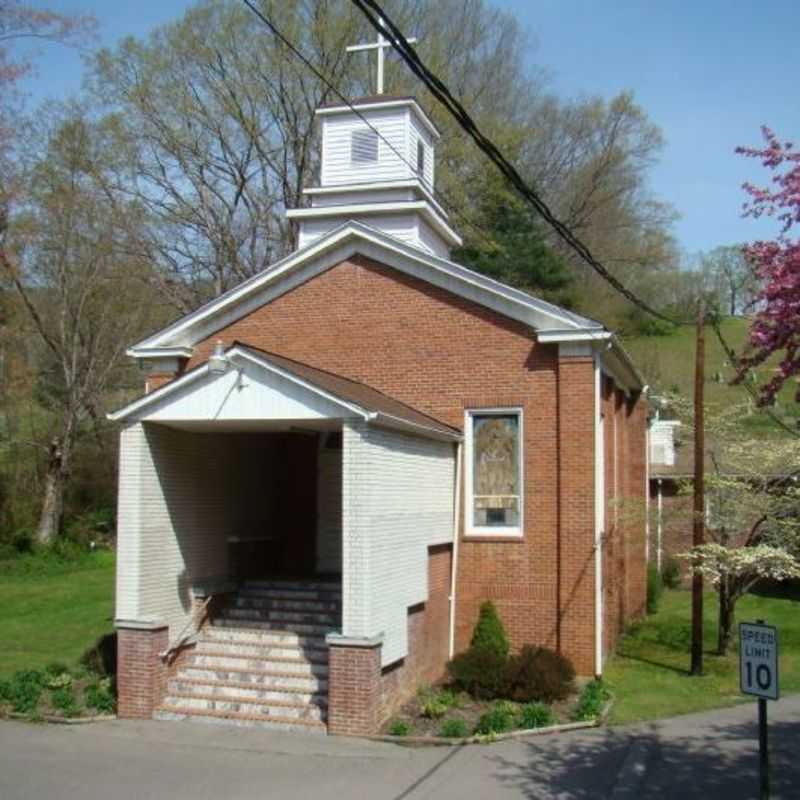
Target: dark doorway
295	524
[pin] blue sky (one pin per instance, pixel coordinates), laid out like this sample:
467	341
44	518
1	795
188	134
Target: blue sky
708	72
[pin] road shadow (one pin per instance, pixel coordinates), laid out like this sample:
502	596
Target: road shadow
715	762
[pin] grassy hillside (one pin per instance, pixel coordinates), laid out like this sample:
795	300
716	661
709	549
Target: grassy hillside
667	363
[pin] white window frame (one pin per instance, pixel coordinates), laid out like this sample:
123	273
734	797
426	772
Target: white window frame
470	529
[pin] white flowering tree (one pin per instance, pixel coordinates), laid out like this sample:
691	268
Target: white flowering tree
752	508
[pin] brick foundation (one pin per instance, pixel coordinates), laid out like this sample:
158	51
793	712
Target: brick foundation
141	673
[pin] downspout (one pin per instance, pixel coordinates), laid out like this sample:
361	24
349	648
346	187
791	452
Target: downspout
454	560
599	506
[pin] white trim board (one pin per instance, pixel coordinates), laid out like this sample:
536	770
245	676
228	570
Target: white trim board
338	245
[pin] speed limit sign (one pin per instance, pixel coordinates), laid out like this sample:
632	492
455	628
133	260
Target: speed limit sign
758	660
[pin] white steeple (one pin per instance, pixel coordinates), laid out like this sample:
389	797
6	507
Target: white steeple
378	167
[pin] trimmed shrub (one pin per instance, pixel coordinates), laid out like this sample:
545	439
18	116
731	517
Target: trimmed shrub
591	702
480	672
498	719
454	729
489	633
671	574
655	588
535	715
400	727
539	674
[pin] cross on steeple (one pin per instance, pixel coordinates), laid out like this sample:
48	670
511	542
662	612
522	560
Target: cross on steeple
381	45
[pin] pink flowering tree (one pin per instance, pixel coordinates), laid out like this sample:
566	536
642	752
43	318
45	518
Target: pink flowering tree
776	327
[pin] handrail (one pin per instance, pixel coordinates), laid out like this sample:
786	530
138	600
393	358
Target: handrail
184	637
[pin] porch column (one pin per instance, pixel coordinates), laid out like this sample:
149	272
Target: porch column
141	673
354	685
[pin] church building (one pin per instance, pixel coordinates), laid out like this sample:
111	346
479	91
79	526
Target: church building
336	462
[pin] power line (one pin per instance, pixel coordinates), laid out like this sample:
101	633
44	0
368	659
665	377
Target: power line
384	25
445	202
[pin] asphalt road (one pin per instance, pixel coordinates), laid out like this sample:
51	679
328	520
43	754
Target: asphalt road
706	756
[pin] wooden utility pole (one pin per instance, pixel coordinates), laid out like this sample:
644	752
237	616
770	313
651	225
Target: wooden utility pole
698	524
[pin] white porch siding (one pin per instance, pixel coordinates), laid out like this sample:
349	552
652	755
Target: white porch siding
174	513
397	501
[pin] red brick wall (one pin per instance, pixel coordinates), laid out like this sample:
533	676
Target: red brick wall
428	638
354	690
443	354
624	564
141	674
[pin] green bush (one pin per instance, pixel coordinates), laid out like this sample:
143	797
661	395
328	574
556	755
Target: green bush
24	690
655	588
591	702
498	719
489	633
540	674
64	700
535	715
23	541
454	729
671	574
482	673
435	704
62	681
400	727
100	696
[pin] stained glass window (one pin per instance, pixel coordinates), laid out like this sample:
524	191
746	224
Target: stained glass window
495	454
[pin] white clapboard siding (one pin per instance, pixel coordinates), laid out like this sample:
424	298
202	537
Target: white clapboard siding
397	501
418	133
401	226
181	487
337	142
252	394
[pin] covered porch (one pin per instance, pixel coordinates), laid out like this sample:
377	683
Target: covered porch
255	467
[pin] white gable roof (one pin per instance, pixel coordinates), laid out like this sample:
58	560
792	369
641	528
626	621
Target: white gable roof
344	242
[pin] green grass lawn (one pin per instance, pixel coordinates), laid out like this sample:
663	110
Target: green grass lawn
667	363
53	611
648	675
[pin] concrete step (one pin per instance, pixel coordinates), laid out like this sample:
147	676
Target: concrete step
237	661
246	634
258	650
278	583
300	628
281	604
227	688
167	712
281	616
267	679
247	705
297	595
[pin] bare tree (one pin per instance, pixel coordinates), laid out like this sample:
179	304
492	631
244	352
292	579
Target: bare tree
67	258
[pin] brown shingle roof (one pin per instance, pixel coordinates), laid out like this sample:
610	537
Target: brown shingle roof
359	394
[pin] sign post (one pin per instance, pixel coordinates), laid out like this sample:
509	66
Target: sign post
758	675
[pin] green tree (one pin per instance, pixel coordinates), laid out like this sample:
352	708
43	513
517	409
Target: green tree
512	248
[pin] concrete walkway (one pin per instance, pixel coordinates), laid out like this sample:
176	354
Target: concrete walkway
706	756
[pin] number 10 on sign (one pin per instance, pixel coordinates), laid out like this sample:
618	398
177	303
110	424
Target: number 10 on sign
758	660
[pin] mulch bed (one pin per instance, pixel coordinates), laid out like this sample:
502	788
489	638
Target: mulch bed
469	710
